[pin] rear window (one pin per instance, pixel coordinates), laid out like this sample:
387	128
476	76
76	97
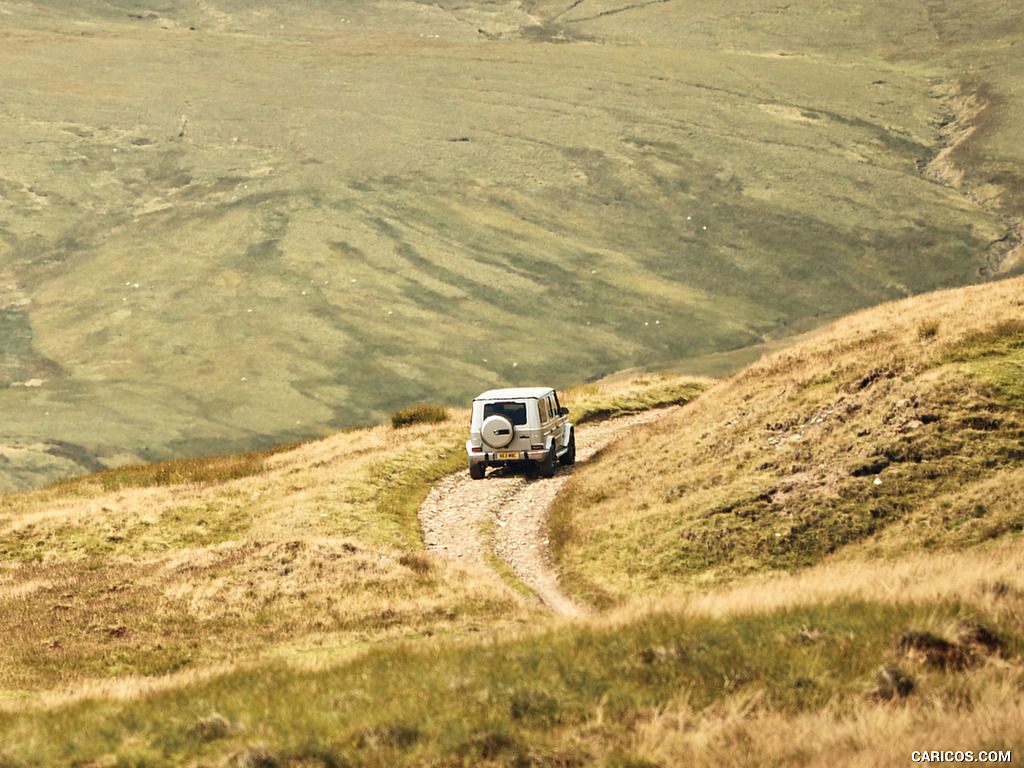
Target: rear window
514	412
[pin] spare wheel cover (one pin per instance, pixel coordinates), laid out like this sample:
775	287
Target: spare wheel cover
496	431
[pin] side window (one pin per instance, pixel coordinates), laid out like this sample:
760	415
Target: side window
552	406
544	415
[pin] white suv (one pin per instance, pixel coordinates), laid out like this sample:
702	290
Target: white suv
524	424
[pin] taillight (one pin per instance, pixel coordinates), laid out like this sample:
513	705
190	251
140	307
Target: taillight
536	447
477	450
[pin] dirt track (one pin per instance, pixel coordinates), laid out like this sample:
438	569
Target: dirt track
507	514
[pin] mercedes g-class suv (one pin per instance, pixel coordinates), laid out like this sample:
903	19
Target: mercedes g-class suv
520	425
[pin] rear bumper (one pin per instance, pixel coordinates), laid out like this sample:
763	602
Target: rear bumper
496	458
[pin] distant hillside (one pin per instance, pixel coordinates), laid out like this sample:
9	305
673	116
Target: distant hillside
225	225
899	428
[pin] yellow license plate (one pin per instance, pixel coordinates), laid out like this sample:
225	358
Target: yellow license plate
502	456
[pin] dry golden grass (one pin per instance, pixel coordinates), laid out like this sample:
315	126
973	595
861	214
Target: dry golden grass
899	426
318	553
709	681
978	708
990	578
748	733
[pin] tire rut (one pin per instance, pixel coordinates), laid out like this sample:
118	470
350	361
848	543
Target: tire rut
507	514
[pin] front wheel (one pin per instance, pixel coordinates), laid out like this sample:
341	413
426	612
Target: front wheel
476	470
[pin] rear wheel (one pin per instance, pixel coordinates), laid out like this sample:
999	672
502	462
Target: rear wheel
476	471
569	457
546	466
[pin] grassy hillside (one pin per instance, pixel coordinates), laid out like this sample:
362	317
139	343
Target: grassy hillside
898	428
277	608
226	225
148	570
151	571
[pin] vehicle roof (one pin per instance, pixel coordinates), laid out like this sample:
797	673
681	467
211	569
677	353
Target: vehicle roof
515	393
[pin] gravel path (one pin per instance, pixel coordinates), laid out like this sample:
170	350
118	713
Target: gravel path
507	513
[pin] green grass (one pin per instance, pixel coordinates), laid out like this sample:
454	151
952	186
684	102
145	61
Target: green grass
405	481
562	240
202	469
593	403
114	573
512	702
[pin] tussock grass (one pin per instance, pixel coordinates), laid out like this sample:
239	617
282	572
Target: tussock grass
313	546
661	688
419	414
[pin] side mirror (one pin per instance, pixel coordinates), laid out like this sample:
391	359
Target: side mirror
564	411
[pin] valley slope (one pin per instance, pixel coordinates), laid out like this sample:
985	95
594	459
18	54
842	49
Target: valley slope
226	225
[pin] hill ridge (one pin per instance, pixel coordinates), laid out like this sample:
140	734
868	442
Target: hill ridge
777	476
